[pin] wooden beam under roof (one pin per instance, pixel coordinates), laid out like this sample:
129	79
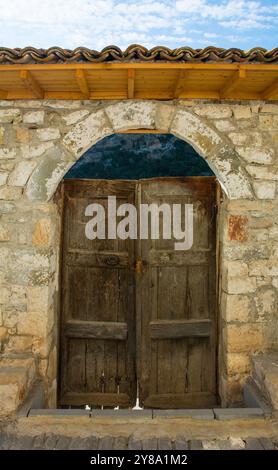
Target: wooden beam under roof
130	83
270	91
117	81
180	83
232	82
82	83
31	83
3	94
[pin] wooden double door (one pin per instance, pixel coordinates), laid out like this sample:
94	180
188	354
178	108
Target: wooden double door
138	318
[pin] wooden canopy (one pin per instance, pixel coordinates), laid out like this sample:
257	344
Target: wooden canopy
137	73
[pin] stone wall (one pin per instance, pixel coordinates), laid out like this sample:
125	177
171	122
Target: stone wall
40	140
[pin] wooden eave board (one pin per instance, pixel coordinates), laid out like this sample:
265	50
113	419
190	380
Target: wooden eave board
152	80
112	80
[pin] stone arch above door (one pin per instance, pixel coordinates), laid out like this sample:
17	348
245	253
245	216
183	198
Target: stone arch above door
124	115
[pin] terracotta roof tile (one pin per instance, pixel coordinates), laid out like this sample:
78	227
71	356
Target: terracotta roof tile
137	53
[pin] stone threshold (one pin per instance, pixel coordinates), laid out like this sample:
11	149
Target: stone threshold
199	414
255	407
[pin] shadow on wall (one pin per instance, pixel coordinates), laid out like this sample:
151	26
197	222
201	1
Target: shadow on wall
136	156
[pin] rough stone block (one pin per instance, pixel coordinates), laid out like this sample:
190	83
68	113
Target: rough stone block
3	333
6	153
48	133
269	108
2	133
240	285
242	112
236	184
29	259
46	177
246	206
263	172
34	151
237	443
265	189
4	233
263	267
87	132
74	117
244	338
43	342
214	111
7	165
254	155
266	303
10	193
238	138
164	116
62	104
235	268
210	444
19	344
33	117
224	125
9	115
33	323
261	222
21	173
190	127
22	135
16	378
41	232
237	363
238	228
3	177
235	307
137	115
268	122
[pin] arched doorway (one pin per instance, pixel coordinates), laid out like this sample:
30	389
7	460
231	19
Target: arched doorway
138	316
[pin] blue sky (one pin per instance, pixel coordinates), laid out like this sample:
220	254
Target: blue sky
99	23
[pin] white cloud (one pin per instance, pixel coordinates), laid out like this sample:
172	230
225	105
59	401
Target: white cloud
211	35
98	23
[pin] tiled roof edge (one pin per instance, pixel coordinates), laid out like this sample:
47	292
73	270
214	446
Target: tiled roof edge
137	53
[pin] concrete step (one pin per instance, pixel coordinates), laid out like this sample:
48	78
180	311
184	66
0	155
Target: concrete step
16	379
265	375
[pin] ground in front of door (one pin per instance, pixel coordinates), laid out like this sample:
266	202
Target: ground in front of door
82	432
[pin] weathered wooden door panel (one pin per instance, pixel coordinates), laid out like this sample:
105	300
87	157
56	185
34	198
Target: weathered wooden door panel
176	301
175	325
98	323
